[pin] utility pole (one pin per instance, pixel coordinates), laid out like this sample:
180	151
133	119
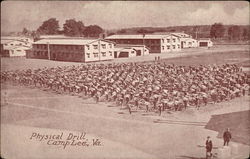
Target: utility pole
143	35
196	32
48	50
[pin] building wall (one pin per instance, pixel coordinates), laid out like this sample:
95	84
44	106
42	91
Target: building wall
96	52
191	43
170	44
139	50
4	53
17	53
74	53
209	43
154	45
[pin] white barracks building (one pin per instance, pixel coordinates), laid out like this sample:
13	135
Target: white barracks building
77	50
155	43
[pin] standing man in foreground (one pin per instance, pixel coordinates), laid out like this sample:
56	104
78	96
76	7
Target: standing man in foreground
209	147
227	137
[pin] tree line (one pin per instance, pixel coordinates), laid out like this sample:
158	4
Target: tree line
71	27
233	32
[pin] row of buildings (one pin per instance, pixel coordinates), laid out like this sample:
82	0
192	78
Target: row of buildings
88	50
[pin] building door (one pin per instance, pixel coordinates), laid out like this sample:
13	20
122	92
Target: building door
123	54
203	44
138	52
182	44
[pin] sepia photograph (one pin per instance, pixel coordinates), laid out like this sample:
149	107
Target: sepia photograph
125	80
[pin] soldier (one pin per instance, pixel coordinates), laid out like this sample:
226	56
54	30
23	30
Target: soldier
227	137
209	147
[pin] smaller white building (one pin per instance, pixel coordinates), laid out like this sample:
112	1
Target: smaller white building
19	40
189	43
123	50
15	51
13	48
205	42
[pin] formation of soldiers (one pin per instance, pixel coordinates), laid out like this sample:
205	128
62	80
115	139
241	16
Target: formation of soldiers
148	86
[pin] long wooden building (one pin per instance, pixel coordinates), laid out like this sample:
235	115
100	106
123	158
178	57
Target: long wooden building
156	43
76	50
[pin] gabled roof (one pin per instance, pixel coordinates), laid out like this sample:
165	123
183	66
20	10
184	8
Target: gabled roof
5	41
180	34
187	39
15	47
130	45
68	41
137	36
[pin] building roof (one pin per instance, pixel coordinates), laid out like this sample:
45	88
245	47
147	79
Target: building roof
5	41
137	36
204	39
188	39
16	47
180	34
67	41
130	45
52	36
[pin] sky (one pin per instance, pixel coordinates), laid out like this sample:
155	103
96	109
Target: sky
15	15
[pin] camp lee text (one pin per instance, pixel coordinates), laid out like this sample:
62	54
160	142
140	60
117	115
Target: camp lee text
66	139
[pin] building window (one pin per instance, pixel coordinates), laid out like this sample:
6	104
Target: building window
103	54
104	46
162	40
168	47
173	46
179	46
18	50
88	47
110	53
95	46
95	54
110	46
88	55
168	40
174	40
162	47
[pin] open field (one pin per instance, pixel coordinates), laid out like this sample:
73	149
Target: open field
140	135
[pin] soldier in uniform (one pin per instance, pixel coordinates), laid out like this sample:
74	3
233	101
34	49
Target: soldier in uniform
209	147
227	137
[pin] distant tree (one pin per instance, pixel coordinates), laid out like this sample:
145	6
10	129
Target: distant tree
144	31
245	34
35	35
234	32
72	27
25	31
109	34
93	31
49	27
217	30
122	31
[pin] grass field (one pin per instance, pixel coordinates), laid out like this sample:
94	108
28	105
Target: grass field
140	135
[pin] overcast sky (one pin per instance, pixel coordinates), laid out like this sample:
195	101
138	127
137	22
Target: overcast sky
121	14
